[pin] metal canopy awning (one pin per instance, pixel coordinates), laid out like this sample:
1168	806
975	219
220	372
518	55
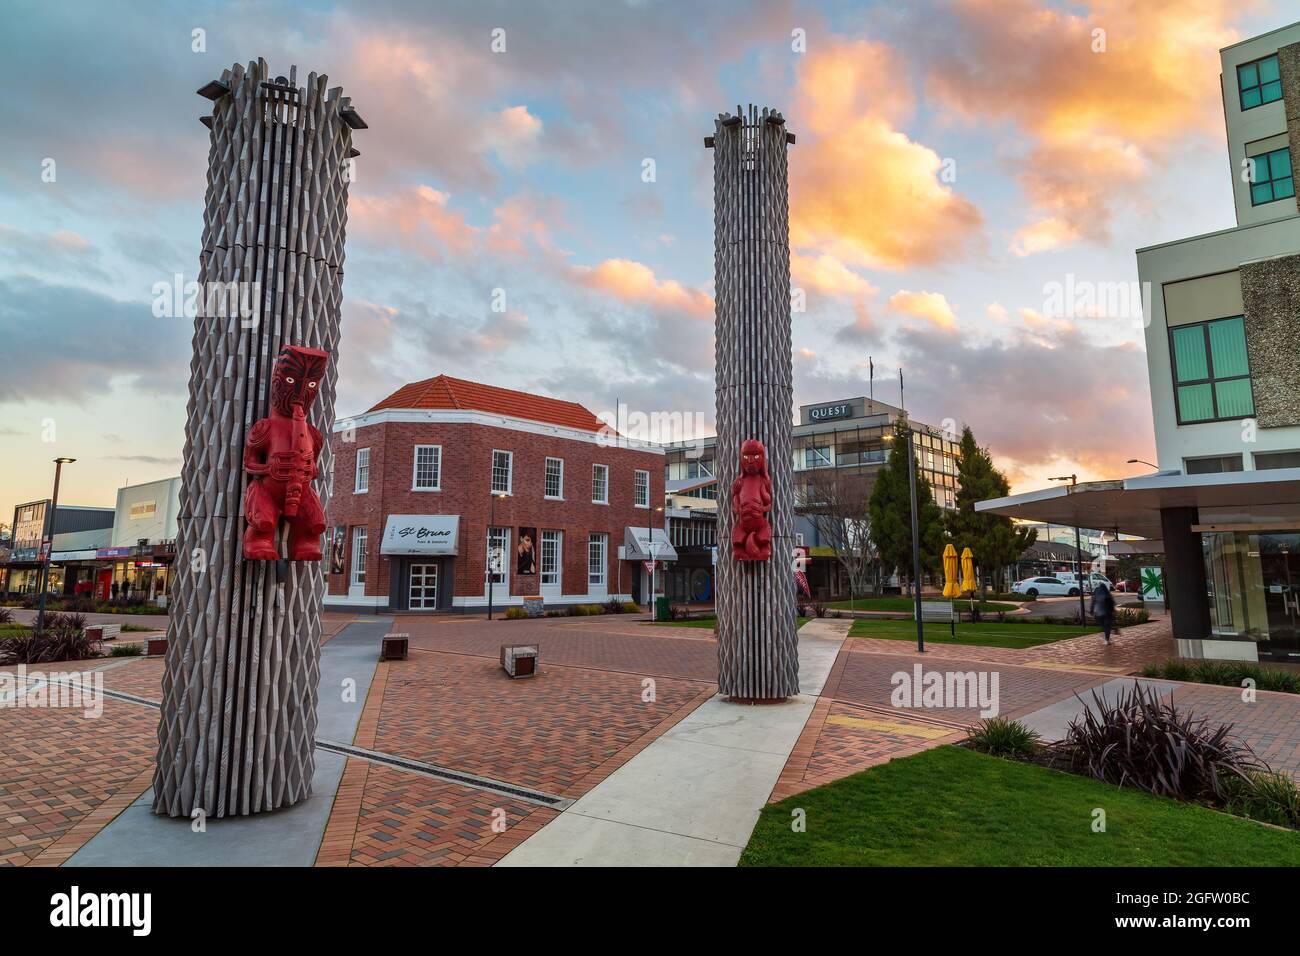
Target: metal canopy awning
1133	505
636	544
420	534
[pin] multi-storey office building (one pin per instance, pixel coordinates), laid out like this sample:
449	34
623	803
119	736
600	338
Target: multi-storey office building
447	486
73	533
1223	358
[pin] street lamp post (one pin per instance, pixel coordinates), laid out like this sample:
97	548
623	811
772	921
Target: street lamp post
916	537
47	545
492	572
1139	461
1078	553
650	550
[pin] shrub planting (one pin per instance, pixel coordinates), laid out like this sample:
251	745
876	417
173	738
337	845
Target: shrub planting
1001	737
1128	616
1226	673
1264	795
47	648
1142	741
515	613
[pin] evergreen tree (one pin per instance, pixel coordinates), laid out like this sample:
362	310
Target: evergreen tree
993	539
891	513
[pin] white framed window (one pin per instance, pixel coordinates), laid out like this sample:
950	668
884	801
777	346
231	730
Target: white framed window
498	555
641	489
600	484
597	551
551	551
359	555
502	468
362	482
554	479
426	468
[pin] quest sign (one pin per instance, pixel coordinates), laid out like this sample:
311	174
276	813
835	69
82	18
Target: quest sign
420	534
826	413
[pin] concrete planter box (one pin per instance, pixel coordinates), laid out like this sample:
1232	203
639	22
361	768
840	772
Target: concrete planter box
519	660
103	632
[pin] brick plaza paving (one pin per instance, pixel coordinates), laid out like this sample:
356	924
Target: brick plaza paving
556	736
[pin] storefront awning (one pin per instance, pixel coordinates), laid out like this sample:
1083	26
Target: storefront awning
1133	505
84	555
637	545
421	534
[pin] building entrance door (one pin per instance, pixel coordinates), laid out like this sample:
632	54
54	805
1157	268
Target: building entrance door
1279	561
424	587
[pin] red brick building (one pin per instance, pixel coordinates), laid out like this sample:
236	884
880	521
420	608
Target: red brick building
431	475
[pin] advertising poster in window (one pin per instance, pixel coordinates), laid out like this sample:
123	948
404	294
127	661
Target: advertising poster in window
336	550
526	552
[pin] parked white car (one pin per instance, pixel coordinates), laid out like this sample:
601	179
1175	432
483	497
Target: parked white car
1045	586
1090	580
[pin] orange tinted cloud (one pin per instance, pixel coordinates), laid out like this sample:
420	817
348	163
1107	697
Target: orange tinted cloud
1102	109
420	219
862	192
825	273
636	283
933	307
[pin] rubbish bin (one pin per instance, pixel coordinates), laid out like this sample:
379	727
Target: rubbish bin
661	608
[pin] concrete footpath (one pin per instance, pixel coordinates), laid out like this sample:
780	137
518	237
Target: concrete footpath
291	837
692	797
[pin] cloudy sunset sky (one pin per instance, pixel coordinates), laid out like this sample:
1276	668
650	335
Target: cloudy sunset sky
954	159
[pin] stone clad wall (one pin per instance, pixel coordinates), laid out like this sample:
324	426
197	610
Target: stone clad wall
1270	292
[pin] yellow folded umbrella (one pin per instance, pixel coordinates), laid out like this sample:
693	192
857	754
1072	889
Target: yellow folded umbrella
950	582
968	583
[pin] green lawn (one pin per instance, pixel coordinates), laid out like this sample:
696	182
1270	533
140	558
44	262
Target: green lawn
983	634
904	605
954	807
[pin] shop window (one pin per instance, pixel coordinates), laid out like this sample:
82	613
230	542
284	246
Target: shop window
502	466
1268	460
359	555
817	457
597	549
428	468
1212	466
554	478
363	471
1211	371
1259	82
1271	177
498	547
551	557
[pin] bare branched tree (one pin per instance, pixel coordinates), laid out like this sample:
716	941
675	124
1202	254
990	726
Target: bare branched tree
836	505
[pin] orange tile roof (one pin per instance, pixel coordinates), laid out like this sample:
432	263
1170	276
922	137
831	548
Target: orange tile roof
443	391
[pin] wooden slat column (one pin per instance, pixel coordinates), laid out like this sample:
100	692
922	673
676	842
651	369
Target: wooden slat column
757	636
237	729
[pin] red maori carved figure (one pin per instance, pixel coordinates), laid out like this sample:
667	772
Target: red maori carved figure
280	454
751	500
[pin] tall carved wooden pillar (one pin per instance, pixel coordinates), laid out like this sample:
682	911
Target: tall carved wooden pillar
758	655
237	730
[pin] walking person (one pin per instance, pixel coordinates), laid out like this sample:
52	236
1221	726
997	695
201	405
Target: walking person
1103	609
